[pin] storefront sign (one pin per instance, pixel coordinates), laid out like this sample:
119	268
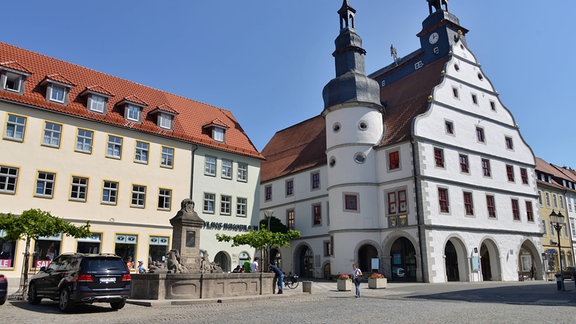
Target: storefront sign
5	263
41	263
230	227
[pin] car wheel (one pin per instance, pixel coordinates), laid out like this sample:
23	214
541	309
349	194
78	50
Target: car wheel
2	299
64	303
33	295
118	305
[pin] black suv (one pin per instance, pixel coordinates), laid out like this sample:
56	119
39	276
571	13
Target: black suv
82	278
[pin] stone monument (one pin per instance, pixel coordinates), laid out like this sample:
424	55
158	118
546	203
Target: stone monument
185	254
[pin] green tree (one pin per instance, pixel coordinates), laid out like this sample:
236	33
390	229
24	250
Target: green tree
260	239
275	225
32	224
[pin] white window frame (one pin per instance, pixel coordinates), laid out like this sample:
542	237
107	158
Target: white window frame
57	93
52	134
15	128
97	104
114	147
167	157
241	206
110	192
18	81
83	140
218	134
225	205
242	172
165	121
133	113
227	166
164	199
142	152
45	183
209	203
8	179
210	165
79	188
138	199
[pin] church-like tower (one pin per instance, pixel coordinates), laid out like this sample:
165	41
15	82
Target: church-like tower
354	125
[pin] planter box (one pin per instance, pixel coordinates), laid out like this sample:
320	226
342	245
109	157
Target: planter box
377	283
344	285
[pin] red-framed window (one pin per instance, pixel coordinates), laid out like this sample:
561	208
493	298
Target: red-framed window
464	166
392	203
317	214
402	201
443	200
524	175
529	211
480	134
490	204
268	193
515	209
510	172
315	180
486	167
468	203
351	202
439	157
290	218
393	160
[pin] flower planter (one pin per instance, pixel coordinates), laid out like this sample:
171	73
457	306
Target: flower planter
377	283
344	285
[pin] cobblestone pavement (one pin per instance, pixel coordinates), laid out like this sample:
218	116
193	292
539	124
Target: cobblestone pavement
488	302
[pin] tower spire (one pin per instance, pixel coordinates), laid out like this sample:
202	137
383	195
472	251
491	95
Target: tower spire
351	83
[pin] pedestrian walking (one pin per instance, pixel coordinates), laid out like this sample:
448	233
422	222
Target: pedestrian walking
356	276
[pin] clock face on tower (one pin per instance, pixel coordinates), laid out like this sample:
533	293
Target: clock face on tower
433	39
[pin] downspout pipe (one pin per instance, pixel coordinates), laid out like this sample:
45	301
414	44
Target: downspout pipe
193	152
419	213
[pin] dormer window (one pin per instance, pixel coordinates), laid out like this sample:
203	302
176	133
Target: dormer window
164	116
12	82
57	88
217	130
97	104
97	98
218	134
133	107
13	77
133	113
56	93
165	121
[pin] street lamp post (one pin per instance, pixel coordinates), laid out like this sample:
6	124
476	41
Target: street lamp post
268	214
557	220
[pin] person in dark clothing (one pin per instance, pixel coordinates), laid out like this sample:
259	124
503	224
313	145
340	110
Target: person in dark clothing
279	276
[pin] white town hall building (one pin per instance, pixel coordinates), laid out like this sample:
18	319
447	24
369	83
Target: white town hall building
417	171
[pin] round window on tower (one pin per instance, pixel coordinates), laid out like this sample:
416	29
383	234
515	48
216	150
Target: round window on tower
362	125
336	127
480	77
360	157
332	162
456	67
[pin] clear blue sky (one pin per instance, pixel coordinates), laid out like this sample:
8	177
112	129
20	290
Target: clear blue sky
268	60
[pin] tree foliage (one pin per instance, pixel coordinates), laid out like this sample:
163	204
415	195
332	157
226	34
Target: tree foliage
34	223
275	225
260	239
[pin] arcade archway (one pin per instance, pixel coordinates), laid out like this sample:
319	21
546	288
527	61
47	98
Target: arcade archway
403	260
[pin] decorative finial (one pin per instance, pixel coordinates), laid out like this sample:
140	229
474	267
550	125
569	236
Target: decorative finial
394	53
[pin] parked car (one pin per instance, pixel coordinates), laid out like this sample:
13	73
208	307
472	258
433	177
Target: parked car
3	289
82	278
568	273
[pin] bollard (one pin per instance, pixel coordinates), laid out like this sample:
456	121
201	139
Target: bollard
307	286
559	282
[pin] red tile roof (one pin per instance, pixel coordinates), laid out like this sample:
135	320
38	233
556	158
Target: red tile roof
303	145
191	115
294	149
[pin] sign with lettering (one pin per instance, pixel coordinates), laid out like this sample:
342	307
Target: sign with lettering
41	263
6	263
230	227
